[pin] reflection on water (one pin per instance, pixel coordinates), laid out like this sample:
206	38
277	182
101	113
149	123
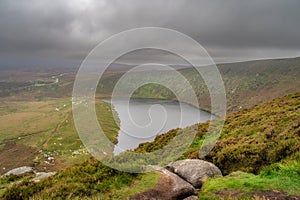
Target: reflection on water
143	119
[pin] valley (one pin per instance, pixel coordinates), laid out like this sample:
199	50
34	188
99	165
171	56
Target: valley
260	136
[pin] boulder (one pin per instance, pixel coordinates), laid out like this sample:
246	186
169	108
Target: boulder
19	171
194	171
169	187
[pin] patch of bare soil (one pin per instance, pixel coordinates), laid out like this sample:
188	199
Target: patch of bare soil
160	191
258	195
274	195
14	155
51	167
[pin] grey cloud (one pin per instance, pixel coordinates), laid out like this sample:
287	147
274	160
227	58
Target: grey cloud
230	30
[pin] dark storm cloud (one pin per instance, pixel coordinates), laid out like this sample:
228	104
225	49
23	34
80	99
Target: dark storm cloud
230	30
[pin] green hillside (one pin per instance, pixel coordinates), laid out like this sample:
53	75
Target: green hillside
258	144
262	140
246	83
251	138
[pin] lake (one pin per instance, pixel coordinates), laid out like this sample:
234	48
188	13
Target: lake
143	119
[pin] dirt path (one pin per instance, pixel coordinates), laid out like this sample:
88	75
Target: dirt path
45	143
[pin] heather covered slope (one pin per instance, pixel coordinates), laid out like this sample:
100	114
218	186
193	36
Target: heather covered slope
251	138
263	140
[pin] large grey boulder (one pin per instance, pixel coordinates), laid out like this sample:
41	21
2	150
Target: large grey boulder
194	171
179	188
169	187
19	171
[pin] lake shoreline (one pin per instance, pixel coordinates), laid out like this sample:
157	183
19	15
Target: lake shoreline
131	135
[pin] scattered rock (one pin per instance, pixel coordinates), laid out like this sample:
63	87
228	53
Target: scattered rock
76	153
194	171
25	170
19	171
50	158
41	175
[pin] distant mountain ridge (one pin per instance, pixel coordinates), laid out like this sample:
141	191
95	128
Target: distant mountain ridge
246	83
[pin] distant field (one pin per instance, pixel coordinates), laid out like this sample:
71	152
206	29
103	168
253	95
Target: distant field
48	127
246	83
18	120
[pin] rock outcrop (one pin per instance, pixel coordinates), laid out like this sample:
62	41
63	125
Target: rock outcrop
180	180
25	170
19	171
194	171
170	187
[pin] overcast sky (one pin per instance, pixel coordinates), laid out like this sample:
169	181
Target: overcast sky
63	32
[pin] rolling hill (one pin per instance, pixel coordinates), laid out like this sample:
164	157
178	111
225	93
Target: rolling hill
263	140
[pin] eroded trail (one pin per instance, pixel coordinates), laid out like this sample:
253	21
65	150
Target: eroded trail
45	143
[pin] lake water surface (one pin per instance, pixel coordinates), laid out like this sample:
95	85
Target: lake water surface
143	119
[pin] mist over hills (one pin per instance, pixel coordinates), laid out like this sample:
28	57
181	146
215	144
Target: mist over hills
38	103
88	88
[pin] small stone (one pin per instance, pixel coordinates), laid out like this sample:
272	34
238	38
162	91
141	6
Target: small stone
41	175
76	153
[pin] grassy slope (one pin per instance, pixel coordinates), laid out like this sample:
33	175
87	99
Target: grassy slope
90	179
255	140
279	171
254	82
250	139
284	178
246	83
260	136
37	124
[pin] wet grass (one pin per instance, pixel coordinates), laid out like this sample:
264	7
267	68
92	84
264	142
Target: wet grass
284	178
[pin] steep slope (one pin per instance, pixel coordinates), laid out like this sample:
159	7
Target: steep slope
251	138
